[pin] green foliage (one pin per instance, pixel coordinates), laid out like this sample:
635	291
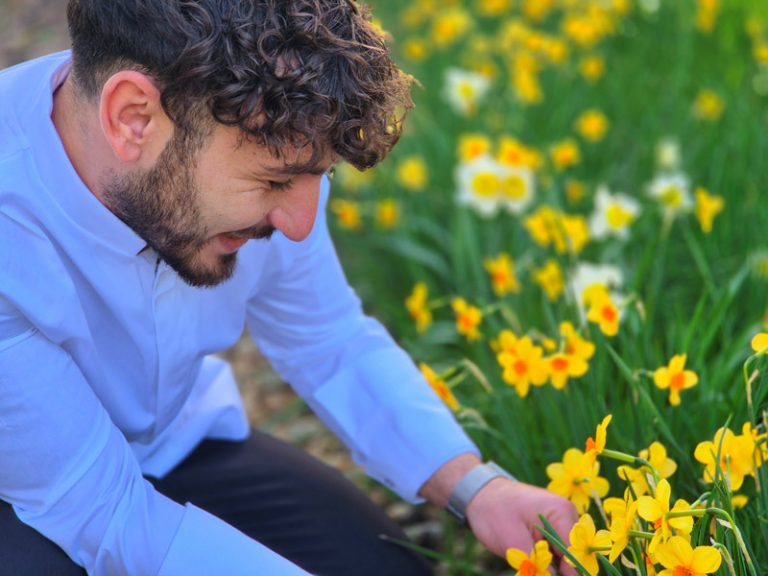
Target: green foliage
684	290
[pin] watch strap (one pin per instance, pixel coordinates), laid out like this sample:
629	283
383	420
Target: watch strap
470	484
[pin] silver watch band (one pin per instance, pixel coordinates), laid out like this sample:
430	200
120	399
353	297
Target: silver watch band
470	484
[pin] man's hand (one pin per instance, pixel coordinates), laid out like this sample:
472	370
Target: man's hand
504	514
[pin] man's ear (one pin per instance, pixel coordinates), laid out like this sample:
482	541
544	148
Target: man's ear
132	118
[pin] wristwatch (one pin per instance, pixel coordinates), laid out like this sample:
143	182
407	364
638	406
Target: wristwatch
470	484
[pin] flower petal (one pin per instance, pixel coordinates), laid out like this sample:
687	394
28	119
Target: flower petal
516	557
706	560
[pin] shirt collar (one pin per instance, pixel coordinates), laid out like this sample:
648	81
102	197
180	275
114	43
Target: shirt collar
59	176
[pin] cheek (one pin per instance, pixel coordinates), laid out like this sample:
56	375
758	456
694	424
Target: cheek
228	212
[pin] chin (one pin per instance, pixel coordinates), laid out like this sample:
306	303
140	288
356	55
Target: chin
202	272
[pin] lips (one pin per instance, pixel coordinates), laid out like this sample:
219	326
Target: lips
231	243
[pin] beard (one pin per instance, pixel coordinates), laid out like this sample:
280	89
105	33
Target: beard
162	206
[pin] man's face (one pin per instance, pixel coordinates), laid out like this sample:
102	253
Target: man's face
196	208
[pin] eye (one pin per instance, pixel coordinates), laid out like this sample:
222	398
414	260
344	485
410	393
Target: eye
277	185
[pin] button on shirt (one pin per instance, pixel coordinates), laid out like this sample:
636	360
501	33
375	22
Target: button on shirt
106	371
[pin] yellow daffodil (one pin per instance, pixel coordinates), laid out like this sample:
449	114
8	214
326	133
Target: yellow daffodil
566	233
571	362
707	207
502	273
675	377
574	344
511	152
654	509
347	214
449	26
574	191
576	233
440	387
387	213
417	307
523	366
493	7
468	319
537	10
738	455
535	564
586	543
759	342
623	514
473	146
415	49
565	154
592	125
708	106
706	15
596	445
656	455
505	342
563	366
550	278
680	559
592	68
603	312
739	500
583	30
577	479
527	87
412	173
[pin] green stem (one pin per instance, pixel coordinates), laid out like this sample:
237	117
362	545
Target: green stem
621	457
641	534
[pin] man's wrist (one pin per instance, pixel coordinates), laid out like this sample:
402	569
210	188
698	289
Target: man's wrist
470	484
439	486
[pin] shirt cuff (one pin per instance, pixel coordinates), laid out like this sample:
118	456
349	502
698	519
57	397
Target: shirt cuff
206	545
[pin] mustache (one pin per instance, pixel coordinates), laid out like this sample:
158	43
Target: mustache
261	232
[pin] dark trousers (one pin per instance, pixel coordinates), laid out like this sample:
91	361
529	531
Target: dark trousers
271	491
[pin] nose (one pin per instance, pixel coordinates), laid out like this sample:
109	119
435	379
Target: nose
296	209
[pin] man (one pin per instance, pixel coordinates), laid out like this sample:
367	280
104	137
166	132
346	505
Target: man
132	176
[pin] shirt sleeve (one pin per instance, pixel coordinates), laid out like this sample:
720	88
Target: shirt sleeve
69	473
307	320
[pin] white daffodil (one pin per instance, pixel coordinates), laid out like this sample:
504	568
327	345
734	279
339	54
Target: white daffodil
673	192
479	182
588	278
613	214
464	89
668	154
516	188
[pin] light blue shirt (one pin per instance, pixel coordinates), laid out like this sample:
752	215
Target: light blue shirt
106	371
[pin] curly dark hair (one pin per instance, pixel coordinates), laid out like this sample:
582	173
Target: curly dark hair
286	72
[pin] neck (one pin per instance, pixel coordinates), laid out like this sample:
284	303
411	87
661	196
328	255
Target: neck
74	121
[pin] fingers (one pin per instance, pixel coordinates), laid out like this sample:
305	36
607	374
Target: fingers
566	569
562	518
